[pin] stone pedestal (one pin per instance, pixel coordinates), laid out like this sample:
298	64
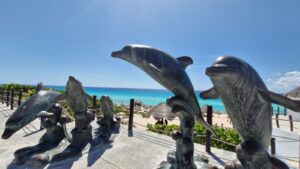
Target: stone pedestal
183	157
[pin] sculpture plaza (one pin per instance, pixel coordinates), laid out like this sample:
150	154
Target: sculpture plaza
39	134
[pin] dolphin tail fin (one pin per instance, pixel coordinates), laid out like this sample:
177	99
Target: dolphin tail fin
278	164
206	125
279	99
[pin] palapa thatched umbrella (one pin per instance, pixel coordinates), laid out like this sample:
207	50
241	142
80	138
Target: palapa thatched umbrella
161	111
295	93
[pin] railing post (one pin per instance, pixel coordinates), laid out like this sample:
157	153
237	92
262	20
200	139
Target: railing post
2	96
94	103
130	121
208	134
273	149
12	99
284	111
278	110
277	121
7	98
20	98
291	123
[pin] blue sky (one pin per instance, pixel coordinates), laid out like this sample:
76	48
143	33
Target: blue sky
50	40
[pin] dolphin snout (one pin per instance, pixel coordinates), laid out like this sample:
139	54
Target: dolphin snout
7	133
217	69
117	54
210	71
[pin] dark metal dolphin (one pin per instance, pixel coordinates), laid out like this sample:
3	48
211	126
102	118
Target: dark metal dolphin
75	96
238	84
28	111
167	71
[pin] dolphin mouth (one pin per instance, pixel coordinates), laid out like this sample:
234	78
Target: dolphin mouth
216	70
7	134
117	54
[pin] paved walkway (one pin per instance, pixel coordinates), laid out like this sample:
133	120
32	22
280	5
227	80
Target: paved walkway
130	150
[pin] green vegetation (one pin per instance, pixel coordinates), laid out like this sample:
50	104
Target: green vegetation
27	90
143	114
119	109
16	87
226	135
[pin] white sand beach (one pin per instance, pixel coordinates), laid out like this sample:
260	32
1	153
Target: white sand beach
219	119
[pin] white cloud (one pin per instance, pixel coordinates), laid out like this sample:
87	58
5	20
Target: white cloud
285	82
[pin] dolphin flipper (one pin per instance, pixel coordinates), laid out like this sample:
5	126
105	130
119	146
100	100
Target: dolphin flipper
45	114
209	94
185	61
279	99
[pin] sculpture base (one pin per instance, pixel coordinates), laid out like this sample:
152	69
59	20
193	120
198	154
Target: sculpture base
200	162
35	157
108	128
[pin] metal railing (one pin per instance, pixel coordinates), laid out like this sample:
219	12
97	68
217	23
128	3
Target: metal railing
11	98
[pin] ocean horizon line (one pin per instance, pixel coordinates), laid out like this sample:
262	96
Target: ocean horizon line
162	89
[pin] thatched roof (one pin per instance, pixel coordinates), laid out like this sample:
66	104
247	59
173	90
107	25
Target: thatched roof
295	93
161	111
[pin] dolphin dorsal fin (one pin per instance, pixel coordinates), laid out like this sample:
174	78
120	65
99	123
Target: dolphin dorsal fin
185	61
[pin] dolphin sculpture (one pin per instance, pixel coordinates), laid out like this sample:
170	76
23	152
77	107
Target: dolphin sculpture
28	111
77	100
106	107
167	71
108	122
239	85
75	96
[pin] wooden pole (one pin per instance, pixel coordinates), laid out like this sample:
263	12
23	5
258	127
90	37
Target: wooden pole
130	121
7	98
278	110
12	94
2	96
284	111
20	98
208	133
291	123
94	103
277	121
273	149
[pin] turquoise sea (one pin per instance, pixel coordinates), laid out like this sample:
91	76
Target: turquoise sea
147	96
